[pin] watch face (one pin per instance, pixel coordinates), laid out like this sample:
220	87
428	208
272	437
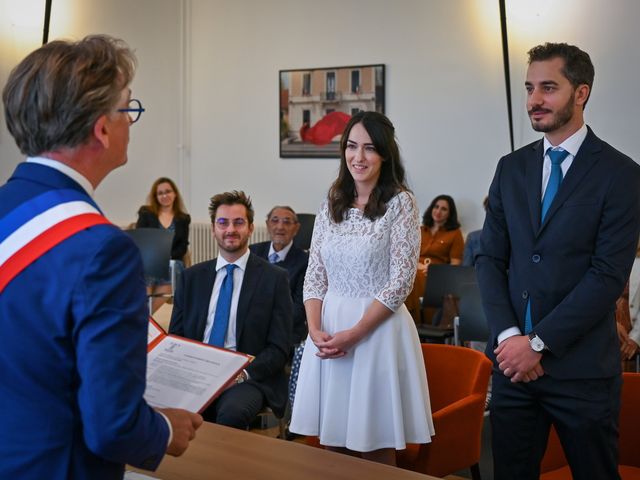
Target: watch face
536	344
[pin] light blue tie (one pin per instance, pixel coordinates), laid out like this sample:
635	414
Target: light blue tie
274	258
223	309
555	179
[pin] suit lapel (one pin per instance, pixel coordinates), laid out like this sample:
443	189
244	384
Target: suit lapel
533	179
262	249
249	285
203	289
290	259
586	157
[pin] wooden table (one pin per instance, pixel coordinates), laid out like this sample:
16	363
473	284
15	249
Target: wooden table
225	453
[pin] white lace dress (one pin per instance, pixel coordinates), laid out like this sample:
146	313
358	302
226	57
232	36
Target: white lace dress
376	396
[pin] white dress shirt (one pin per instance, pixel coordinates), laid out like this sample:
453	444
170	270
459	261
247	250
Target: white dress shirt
282	254
238	277
67	170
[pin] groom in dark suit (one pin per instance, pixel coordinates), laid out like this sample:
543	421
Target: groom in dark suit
240	302
557	247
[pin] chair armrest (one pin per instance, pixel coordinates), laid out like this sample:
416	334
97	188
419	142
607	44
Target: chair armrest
456	444
466	413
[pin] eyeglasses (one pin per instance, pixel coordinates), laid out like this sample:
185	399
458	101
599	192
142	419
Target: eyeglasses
164	192
225	222
134	110
285	221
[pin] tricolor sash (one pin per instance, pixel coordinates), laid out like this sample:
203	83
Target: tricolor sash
39	224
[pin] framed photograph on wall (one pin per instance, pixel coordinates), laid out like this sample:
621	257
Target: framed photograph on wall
317	103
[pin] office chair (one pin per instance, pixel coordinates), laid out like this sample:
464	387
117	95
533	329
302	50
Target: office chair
554	464
470	324
458	379
303	238
155	248
443	280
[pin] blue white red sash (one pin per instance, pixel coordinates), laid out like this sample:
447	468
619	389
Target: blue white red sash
39	224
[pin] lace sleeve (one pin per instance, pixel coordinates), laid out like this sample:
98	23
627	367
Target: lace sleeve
405	250
315	280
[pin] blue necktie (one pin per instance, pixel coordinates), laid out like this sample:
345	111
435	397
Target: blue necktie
555	179
223	308
274	258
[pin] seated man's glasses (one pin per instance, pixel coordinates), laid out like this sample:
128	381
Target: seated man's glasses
285	221
134	110
225	222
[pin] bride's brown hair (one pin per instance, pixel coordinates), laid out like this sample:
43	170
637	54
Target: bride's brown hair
342	193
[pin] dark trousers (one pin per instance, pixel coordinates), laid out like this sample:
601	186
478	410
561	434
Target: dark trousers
236	407
584	412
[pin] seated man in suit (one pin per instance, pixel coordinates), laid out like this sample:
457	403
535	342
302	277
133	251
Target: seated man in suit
240	302
283	225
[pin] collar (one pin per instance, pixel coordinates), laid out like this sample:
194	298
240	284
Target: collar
241	263
571	144
282	254
66	170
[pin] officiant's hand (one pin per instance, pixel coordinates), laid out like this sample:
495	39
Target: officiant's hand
183	425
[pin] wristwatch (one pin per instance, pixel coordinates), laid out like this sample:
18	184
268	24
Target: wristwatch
242	377
536	343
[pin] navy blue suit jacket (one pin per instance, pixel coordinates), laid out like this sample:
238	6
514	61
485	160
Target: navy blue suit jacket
73	353
296	265
573	266
263	320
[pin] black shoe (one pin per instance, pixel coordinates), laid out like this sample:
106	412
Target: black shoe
289	435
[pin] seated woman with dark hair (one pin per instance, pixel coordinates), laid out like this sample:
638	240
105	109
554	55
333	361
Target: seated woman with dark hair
441	242
165	209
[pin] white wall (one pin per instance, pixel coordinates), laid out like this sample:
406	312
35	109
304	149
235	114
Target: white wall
18	36
443	92
608	31
208	74
152	29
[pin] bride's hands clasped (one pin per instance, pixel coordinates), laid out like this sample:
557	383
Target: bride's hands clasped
325	344
337	345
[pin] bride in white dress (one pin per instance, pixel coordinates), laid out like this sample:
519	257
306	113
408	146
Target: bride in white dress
362	383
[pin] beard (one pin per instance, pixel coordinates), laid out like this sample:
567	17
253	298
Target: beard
559	118
242	243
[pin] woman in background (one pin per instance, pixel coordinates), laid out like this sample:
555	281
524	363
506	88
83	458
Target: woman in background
165	209
441	242
362	385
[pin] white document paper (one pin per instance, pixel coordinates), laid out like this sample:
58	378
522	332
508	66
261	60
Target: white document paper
186	374
129	475
154	332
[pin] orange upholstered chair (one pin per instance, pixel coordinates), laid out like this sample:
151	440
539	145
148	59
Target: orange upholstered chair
554	464
458	378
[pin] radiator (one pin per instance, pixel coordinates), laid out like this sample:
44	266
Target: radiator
203	246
